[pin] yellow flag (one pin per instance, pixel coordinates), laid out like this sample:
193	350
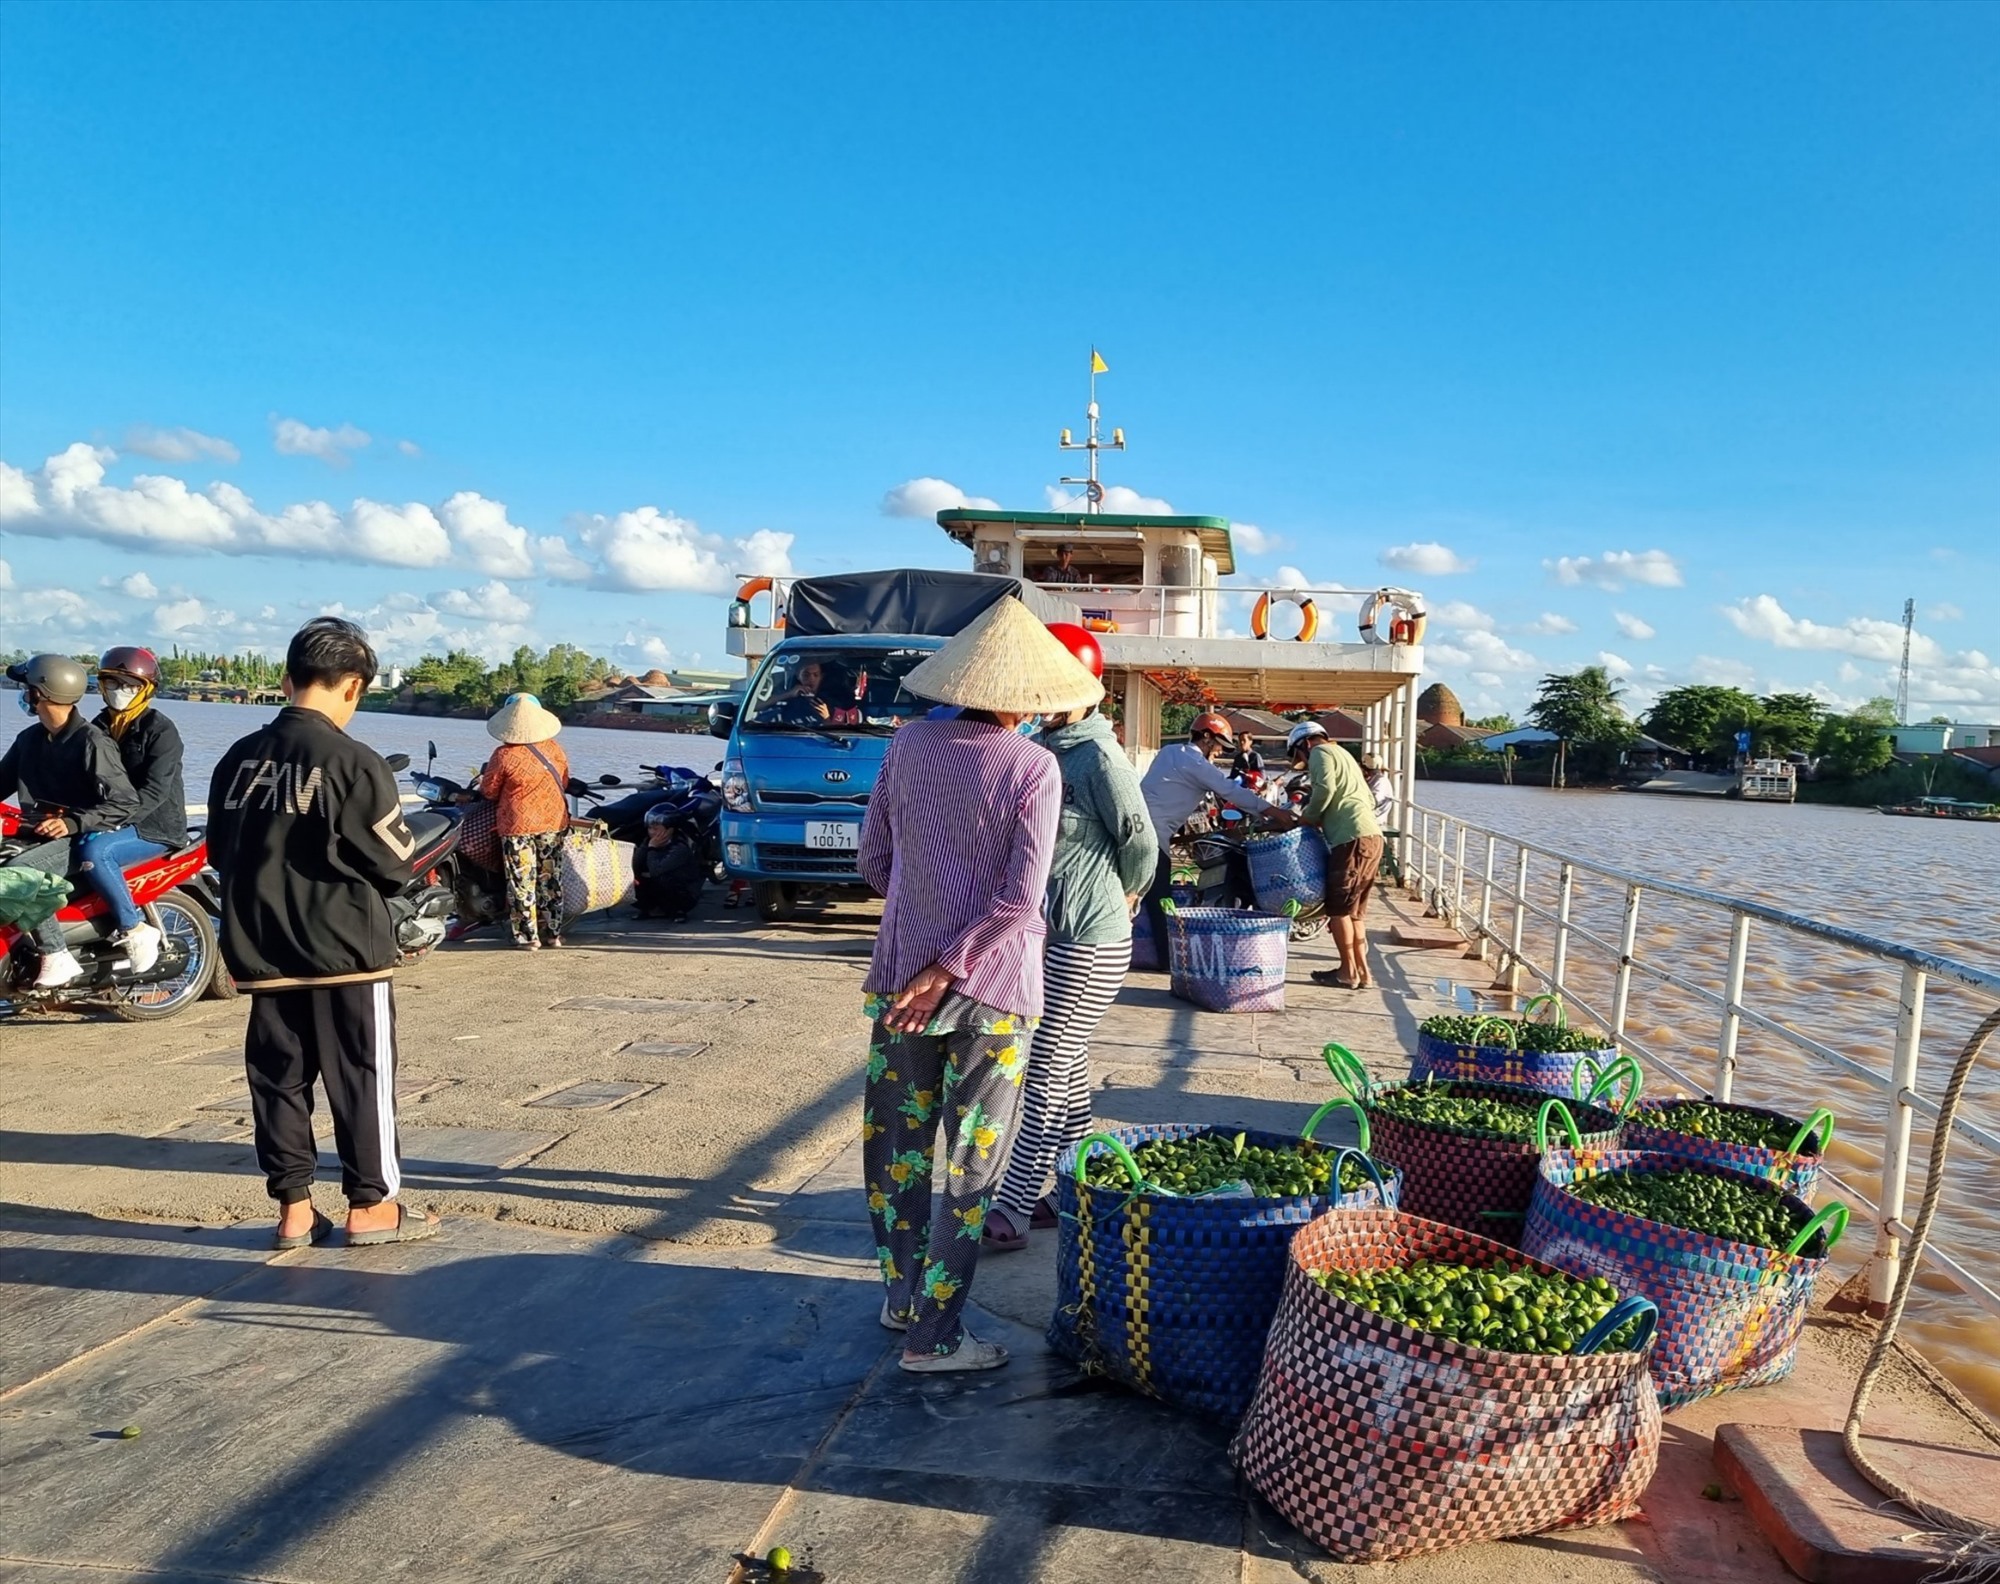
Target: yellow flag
1097	363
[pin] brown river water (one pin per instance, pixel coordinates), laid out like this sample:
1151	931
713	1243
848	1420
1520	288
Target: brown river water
1929	884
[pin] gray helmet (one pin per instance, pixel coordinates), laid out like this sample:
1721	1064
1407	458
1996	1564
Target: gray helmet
56	677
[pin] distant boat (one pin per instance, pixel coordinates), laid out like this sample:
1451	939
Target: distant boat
1943	808
1768	781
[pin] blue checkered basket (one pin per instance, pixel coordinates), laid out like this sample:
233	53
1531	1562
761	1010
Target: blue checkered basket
1730	1313
1172	1294
1228	959
1289	866
1502	1061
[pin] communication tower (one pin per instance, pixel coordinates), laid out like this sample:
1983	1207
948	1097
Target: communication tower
1093	491
1903	677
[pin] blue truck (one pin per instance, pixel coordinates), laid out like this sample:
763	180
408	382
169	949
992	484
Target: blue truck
808	737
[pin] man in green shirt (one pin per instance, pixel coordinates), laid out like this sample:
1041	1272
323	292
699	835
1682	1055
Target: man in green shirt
1341	805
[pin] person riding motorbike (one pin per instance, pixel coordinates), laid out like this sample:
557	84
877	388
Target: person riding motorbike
70	783
149	746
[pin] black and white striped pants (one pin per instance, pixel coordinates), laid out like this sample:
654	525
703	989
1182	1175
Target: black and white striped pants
1080	983
344	1035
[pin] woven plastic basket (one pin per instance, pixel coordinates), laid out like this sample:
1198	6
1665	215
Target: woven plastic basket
1171	1295
1289	866
1502	1061
1794	1169
1378	1440
1469	1180
1228	959
1730	1313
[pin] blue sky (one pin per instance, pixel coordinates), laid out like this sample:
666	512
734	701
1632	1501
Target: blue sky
1666	333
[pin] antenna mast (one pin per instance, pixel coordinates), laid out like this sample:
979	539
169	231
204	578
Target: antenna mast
1093	491
1903	678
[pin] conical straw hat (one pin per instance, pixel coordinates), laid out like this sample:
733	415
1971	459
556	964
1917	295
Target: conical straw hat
522	719
1008	662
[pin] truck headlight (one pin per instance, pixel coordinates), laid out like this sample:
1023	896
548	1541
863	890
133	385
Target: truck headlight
735	787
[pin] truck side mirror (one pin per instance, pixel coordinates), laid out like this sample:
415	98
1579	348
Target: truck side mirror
721	719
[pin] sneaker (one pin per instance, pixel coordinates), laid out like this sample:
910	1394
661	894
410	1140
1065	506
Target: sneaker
58	969
142	947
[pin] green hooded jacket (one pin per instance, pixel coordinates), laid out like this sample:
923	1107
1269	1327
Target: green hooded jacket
1105	847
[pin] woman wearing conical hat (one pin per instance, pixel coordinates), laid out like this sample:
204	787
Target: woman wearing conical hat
527	780
958	838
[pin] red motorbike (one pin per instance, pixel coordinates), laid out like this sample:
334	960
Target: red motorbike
178	897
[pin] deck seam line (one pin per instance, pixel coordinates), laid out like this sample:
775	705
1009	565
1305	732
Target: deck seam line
157	1572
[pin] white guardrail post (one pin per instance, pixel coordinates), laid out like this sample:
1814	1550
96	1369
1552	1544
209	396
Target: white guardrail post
1520	924
1458	878
1628	941
1732	1006
1565	888
1889	1228
1485	903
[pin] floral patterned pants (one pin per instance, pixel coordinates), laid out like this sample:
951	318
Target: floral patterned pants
964	1071
533	866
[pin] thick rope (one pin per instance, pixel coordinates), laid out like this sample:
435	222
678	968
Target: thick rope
1978	1555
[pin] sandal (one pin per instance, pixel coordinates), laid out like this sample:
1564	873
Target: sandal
322	1229
1002	1242
1045	1218
408	1229
1332	979
970	1354
891	1321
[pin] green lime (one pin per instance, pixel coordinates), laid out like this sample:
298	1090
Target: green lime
780	1559
129	1433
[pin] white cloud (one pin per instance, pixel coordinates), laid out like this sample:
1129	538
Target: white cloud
643	654
1117	498
1632	626
37	618
1617	665
491	602
483	536
409	448
1428	559
559	561
1615	568
650	549
331	446
1481	651
1944	610
136	585
1252	540
17	494
1549	622
6	576
1937	676
177	616
178	445
1716	671
1463	616
926	497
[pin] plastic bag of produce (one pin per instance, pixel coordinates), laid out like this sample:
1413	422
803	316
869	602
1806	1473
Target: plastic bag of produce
1379	1438
1733	1297
1169	1265
27	896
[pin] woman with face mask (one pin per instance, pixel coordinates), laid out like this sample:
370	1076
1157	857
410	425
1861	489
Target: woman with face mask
149	745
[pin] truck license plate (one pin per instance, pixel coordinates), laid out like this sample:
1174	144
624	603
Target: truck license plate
836	835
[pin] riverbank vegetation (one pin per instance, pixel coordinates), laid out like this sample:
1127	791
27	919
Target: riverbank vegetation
460	680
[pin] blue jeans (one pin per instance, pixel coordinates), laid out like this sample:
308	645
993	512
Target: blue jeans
101	859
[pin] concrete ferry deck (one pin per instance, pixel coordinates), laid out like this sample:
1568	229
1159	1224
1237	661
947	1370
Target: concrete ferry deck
646	1342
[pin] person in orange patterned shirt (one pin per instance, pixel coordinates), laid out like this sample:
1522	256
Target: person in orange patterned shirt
526	780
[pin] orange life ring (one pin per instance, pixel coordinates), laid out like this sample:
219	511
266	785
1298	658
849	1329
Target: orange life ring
739	608
1406	626
1260	618
1099	624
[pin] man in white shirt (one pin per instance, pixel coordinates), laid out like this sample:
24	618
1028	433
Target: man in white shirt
1176	784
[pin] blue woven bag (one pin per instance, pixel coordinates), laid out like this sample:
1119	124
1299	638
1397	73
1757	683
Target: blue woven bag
1172	1294
1730	1313
1287	867
1553	1072
1793	1170
1228	959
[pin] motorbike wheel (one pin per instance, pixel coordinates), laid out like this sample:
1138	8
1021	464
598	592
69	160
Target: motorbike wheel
183	917
776	901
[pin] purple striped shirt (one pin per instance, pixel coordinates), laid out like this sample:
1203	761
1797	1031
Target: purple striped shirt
960	831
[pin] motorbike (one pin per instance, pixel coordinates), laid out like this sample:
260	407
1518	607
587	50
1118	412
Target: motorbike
694	803
177	893
1214	841
469	870
421	912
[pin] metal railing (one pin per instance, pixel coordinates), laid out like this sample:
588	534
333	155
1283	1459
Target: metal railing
1436	867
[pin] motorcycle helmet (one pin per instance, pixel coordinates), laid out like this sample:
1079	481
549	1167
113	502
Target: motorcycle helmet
55	677
1211	725
1303	735
1080	643
140	665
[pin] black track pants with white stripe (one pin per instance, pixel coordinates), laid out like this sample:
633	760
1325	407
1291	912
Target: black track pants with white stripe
344	1036
1079	984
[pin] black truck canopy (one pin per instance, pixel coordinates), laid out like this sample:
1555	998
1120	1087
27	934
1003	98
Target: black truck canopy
909	601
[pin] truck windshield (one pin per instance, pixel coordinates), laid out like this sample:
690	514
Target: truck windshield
807	689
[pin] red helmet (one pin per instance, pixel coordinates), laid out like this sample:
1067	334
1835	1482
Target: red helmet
1213	724
1081	644
141	665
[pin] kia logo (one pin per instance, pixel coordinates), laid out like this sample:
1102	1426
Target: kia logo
836	775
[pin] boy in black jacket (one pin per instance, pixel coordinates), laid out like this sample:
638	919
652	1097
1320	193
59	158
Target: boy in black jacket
306	830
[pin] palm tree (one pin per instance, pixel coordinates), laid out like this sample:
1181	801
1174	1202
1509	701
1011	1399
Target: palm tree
1580	707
